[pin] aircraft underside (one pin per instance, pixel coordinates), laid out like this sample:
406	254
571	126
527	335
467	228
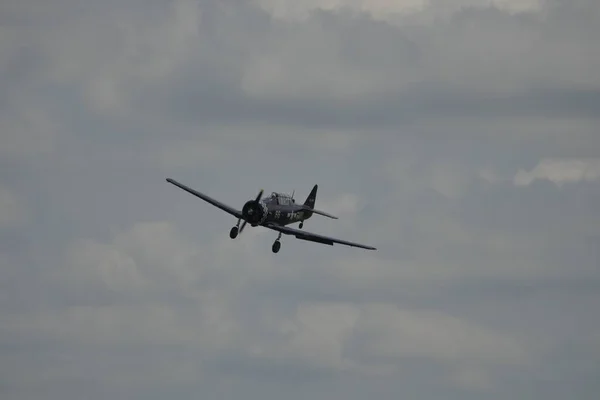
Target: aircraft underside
233	233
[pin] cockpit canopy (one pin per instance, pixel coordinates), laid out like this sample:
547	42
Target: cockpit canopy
279	198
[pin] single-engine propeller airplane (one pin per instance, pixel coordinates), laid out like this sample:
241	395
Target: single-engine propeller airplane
275	212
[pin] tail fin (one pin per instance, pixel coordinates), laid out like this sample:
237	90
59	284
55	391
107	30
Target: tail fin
309	205
310	200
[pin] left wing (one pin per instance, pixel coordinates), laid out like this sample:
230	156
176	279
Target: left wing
313	237
216	203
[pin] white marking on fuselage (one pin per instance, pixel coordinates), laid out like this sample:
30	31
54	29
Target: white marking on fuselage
265	213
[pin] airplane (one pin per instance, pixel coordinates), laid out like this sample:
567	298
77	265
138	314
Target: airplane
275	212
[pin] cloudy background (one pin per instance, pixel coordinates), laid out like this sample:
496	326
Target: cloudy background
459	138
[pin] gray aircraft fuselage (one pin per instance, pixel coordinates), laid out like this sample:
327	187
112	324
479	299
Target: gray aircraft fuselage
279	209
286	214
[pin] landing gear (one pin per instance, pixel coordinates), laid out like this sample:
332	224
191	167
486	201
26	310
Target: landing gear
236	229
277	244
301	224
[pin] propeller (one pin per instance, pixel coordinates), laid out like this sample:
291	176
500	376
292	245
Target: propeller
257	199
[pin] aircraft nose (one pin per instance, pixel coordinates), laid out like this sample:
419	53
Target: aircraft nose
252	211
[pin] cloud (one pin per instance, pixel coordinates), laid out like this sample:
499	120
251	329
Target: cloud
378	9
561	171
421	122
393	332
385	9
148	287
448	69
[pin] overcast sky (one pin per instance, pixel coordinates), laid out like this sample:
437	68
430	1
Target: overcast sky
462	140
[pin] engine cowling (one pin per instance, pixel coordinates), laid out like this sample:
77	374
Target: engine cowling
253	212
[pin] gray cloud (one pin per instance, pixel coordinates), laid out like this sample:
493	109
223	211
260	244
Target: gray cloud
441	133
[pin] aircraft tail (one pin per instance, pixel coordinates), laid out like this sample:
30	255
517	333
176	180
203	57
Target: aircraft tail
309	205
310	200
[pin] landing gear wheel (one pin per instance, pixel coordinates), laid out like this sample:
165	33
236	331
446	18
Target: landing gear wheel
276	246
301	225
233	232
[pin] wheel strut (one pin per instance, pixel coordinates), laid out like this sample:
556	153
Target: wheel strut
276	244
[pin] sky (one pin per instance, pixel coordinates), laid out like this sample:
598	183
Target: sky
459	137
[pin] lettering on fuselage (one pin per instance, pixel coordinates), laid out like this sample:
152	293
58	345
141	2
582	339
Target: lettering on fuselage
295	215
287	216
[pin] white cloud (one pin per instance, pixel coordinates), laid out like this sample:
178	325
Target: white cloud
153	258
380	9
393	332
560	171
388	9
317	333
135	267
373	337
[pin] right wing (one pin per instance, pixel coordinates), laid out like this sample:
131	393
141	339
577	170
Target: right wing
313	237
216	203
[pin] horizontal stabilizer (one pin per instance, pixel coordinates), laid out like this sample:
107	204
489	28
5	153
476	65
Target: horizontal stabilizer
312	210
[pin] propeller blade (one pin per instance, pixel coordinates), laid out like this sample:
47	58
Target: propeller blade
259	195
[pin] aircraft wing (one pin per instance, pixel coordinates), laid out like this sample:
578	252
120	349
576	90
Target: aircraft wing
216	203
313	237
